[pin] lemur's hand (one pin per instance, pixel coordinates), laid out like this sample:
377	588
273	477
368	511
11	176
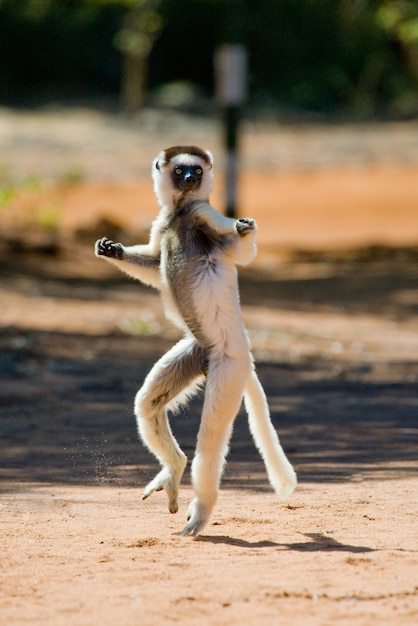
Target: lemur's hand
245	225
106	247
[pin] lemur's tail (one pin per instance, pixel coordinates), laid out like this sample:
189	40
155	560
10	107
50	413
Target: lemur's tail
280	472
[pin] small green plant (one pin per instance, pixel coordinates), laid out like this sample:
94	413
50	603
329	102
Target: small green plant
10	185
30	182
72	175
48	217
6	186
142	327
6	194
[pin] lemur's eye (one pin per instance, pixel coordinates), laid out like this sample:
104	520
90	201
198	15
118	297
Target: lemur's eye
199	171
178	171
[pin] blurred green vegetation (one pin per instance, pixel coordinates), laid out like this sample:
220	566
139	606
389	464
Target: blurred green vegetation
356	58
11	185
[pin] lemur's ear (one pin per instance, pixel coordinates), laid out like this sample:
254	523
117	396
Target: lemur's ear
160	160
209	158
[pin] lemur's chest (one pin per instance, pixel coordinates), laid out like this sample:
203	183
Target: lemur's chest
187	235
191	257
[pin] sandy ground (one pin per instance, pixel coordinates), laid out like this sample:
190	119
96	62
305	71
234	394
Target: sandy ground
332	309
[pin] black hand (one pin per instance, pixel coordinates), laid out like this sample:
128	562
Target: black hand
245	225
106	247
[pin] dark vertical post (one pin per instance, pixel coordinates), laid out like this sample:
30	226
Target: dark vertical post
231	88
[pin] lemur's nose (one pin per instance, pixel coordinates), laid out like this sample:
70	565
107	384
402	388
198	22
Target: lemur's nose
189	176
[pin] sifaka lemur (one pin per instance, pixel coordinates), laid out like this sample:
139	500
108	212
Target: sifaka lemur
191	259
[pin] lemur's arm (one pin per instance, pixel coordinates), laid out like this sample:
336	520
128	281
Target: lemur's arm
140	261
136	261
244	248
240	233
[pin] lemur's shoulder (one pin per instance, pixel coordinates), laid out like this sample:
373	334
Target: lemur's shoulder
218	222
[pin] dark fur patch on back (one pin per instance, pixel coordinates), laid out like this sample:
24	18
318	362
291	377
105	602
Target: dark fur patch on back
170	153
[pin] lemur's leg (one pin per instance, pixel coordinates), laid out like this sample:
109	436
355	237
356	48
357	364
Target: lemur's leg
172	380
226	380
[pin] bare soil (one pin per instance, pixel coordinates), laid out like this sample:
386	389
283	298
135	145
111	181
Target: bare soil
331	305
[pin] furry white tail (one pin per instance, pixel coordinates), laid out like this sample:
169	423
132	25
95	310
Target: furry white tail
280	472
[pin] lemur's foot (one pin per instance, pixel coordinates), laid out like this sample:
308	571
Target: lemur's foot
106	247
197	518
170	482
245	225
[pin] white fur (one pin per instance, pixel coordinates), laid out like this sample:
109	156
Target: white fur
281	474
222	353
163	186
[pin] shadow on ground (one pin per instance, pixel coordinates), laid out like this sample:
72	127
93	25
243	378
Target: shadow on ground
317	543
66	404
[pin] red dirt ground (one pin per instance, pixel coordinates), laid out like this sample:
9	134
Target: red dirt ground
331	307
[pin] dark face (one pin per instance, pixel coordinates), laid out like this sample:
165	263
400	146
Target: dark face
187	177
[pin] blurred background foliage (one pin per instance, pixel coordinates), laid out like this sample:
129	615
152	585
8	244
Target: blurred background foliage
342	58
